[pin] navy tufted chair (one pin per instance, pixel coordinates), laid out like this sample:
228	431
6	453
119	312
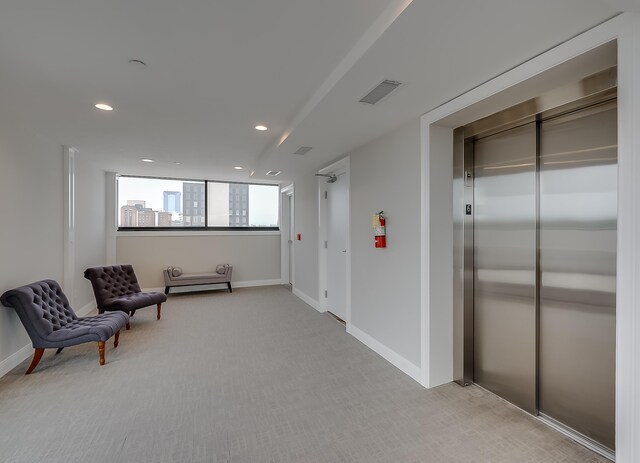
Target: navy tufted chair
51	323
116	288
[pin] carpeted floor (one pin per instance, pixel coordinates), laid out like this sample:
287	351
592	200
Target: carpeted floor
254	376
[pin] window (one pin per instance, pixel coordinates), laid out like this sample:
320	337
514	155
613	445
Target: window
260	208
147	203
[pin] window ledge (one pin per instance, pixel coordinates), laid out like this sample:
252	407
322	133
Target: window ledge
198	233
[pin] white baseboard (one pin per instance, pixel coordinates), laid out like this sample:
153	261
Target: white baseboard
25	352
307	299
389	355
249	284
15	359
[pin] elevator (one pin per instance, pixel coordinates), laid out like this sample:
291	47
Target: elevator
535	228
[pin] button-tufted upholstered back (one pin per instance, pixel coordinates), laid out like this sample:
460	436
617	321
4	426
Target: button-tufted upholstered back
112	281
42	307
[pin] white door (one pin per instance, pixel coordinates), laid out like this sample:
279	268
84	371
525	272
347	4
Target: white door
290	238
337	247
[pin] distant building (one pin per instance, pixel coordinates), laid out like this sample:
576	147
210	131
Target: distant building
193	204
164	219
238	205
136	202
218	204
135	214
128	216
146	217
171	201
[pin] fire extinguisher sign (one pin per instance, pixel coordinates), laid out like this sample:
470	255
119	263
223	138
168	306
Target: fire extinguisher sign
379	230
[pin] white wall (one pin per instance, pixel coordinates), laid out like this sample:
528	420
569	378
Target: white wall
32	234
255	258
385	291
31	220
90	239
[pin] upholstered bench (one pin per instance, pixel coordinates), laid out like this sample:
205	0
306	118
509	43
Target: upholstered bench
116	288
173	276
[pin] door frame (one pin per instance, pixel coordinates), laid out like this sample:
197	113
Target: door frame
287	216
341	167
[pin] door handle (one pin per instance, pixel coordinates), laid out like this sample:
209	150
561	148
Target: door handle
344	250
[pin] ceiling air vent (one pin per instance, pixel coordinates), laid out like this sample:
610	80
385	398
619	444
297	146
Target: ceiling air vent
383	89
302	150
273	173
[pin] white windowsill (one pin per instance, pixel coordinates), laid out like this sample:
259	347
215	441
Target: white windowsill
199	233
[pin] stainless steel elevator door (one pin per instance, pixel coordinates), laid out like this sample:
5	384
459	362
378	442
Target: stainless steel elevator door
578	221
505	265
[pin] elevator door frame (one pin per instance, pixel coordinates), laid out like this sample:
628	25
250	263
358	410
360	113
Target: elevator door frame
602	89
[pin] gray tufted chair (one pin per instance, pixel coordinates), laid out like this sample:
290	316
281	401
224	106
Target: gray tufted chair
116	288
51	323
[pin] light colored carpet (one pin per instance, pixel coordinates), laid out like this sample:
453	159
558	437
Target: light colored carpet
253	376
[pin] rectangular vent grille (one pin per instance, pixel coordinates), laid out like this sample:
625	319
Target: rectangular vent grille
383	89
302	150
273	173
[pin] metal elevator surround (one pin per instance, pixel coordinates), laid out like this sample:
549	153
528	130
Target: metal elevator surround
535	229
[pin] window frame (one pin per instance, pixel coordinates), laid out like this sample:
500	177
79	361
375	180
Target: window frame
206	227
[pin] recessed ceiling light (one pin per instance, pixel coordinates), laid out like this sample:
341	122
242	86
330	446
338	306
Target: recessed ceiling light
104	107
177	163
238	167
147	160
261	127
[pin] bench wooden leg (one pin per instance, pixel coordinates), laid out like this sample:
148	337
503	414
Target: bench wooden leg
159	308
37	355
229	286
101	351
128	326
116	339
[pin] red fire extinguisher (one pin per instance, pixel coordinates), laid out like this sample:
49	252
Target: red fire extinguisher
379	230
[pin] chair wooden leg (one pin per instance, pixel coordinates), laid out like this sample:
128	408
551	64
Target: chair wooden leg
159	308
101	350
166	289
229	286
116	339
37	355
128	326
59	350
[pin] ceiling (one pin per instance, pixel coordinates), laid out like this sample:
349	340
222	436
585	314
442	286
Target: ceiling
215	69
